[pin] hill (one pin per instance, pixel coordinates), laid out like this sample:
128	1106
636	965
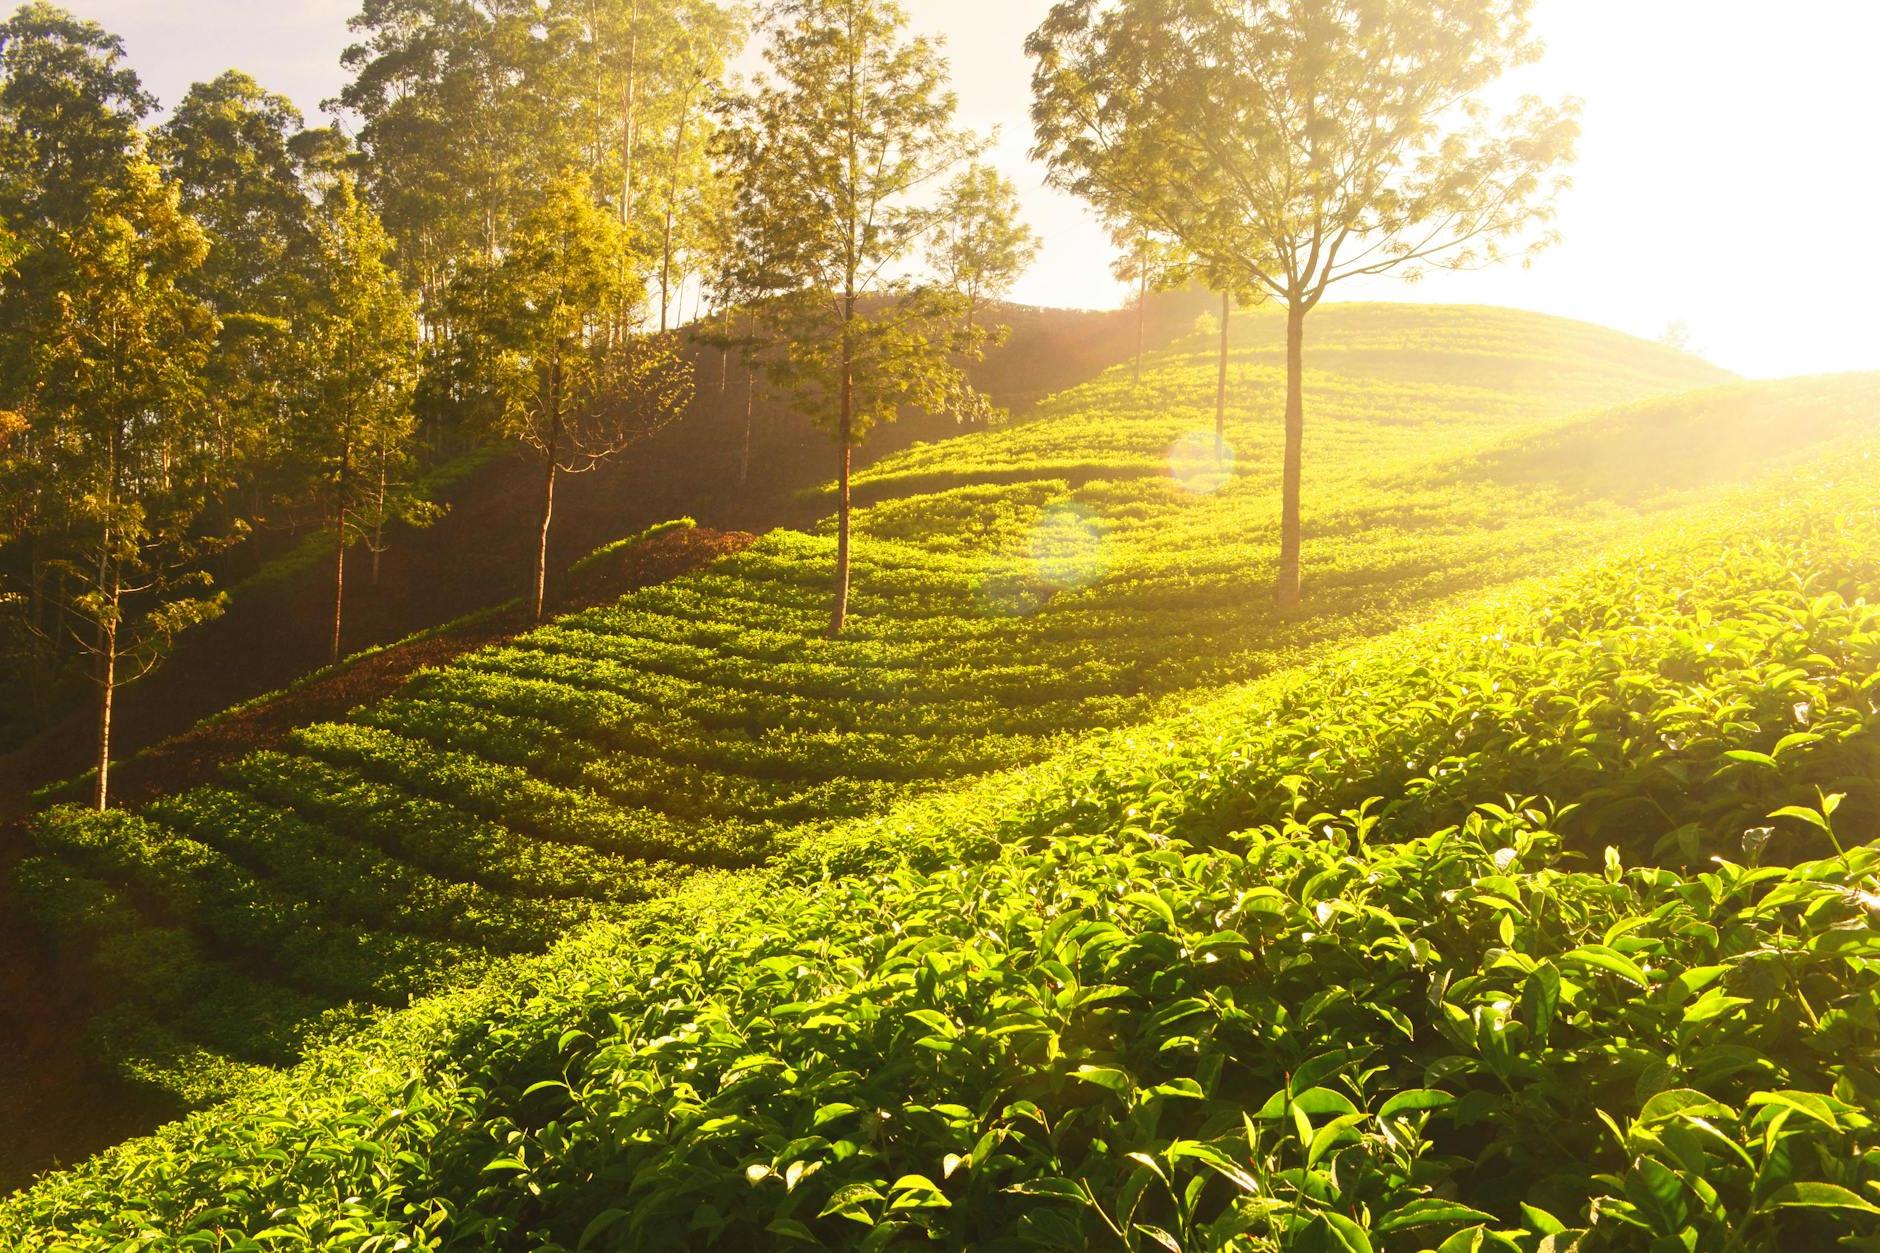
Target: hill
499	802
480	553
1544	920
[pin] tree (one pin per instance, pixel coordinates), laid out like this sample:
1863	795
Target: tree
233	150
69	111
357	341
459	126
567	386
853	121
982	247
1148	262
1295	144
117	405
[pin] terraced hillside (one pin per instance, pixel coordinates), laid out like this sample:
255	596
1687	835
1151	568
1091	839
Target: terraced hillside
507	799
1545	923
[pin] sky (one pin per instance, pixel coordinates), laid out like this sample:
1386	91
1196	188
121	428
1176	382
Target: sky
1728	178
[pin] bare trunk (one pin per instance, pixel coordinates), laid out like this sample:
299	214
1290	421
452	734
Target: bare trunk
1286	591
541	549
107	692
1220	385
750	404
378	521
339	552
724	351
845	436
665	268
1142	315
840	617
629	119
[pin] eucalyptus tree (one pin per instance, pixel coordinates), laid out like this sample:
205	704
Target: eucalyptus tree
457	128
982	245
233	149
853	121
70	113
70	108
1297	144
565	384
357	351
117	407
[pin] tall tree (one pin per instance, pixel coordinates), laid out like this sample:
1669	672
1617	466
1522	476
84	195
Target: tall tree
982	246
117	400
232	149
854	120
1301	143
458	126
568	387
357	340
70	108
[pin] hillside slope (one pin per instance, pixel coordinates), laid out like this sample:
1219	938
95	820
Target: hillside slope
495	804
480	554
1315	966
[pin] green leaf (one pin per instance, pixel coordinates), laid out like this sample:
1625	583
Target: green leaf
1540	1000
1413	1099
1110	1077
1428	1212
1815	1195
1612	961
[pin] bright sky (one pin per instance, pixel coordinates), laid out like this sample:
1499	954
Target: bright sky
1727	174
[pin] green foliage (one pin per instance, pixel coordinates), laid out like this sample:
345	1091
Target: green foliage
619	546
1207	988
1053	582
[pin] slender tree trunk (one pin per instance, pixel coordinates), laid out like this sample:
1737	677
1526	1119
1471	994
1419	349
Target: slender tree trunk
845	437
629	117
378	520
1220	385
548	513
107	693
724	351
750	404
1286	591
339	550
1142	314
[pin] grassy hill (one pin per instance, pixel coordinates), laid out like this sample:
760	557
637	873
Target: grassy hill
1054	578
1547	918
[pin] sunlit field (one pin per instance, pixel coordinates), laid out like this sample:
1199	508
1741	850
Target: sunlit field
580	674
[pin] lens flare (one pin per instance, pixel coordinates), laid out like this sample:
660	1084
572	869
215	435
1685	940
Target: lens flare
1065	549
1197	465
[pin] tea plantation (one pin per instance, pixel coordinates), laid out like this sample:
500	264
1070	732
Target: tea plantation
503	801
1548	922
1366	936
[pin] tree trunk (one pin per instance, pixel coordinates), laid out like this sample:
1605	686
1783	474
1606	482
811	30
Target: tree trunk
750	403
378	520
541	549
107	691
339	550
845	437
1220	385
1286	591
724	352
1142	314
339	589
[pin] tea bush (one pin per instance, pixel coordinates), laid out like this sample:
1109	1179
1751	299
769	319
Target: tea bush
1285	972
1000	615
